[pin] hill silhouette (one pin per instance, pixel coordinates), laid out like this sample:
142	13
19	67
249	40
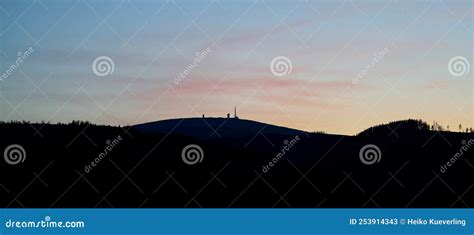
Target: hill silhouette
409	126
238	163
208	128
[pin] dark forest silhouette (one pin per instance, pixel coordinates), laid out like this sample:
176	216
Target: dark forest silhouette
142	166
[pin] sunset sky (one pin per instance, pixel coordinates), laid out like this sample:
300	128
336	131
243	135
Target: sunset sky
151	43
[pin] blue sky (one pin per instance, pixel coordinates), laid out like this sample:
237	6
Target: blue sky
152	42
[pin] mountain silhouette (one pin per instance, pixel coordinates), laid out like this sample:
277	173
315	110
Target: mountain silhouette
207	128
230	162
409	126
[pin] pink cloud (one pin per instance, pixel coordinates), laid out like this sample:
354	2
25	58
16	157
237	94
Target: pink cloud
434	85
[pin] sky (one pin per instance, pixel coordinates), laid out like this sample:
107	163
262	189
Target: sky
346	65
